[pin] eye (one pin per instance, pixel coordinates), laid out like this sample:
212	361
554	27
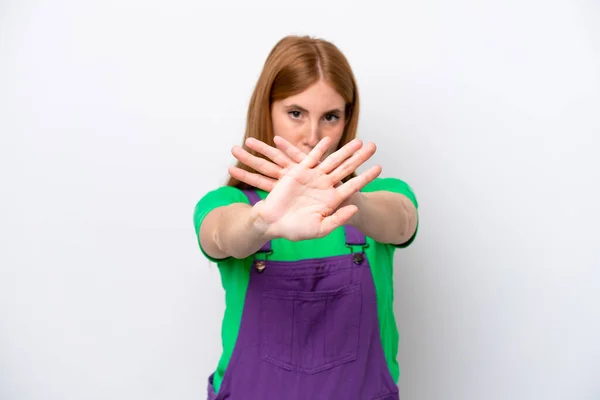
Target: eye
295	114
331	118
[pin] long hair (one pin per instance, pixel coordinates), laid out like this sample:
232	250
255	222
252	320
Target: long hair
293	65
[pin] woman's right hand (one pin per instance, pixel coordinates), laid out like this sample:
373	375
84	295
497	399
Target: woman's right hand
305	196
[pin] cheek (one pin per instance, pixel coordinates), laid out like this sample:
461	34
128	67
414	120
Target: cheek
336	133
285	128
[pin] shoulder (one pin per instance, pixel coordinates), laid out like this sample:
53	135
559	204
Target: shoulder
223	194
392	185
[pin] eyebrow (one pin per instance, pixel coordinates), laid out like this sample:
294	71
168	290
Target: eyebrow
335	110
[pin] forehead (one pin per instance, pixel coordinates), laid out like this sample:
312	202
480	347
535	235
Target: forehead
319	96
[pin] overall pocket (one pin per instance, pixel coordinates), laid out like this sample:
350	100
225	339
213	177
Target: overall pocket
311	332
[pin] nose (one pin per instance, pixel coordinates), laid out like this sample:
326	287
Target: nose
312	134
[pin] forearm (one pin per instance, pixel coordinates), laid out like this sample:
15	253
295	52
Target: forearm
234	231
385	216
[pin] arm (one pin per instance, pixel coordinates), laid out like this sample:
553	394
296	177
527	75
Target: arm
232	230
385	216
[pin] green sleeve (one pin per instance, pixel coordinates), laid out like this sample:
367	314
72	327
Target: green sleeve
396	186
220	197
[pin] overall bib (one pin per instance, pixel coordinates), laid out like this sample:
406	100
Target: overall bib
309	331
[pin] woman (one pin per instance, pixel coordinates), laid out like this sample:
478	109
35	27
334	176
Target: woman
304	245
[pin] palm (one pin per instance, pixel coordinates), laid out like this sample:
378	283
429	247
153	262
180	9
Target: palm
305	198
299	204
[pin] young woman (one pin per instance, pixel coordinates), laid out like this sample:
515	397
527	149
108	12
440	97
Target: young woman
305	245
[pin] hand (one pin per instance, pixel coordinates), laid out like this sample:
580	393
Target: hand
305	199
271	172
364	154
282	162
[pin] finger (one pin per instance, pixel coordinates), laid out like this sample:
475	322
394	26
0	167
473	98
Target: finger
272	153
337	219
289	149
259	164
358	182
351	164
253	179
314	157
335	159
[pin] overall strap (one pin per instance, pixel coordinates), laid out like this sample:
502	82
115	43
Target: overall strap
354	237
254	198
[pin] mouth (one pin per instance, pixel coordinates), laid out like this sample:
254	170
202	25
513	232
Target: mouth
308	150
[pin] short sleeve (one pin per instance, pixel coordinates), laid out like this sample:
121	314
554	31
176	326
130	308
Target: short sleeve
396	186
220	197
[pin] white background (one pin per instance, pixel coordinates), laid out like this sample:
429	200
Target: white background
116	117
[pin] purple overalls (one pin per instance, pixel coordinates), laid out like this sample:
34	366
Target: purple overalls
309	331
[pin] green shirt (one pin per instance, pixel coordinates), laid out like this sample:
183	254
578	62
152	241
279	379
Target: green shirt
235	273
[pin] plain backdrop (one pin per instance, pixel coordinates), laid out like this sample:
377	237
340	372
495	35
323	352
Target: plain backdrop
116	117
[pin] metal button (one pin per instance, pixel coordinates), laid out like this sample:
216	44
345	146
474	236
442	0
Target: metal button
358	258
260	266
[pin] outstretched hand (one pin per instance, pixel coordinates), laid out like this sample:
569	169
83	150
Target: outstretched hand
306	198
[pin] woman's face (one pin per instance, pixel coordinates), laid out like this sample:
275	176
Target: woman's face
307	117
